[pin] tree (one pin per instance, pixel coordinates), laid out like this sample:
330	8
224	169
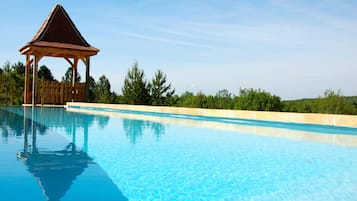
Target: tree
68	76
92	89
7	67
200	100
45	73
186	100
257	100
3	89
333	103
17	75
18	68
12	84
136	89
224	99
160	91
103	93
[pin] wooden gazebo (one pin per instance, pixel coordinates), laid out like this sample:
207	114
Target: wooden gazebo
57	37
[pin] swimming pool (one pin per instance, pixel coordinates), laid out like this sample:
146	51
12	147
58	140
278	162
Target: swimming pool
54	154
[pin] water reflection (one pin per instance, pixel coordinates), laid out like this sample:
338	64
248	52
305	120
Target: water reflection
52	118
102	121
57	167
55	171
55	118
10	125
322	134
134	129
158	129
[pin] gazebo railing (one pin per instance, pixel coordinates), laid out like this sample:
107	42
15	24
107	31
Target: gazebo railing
58	93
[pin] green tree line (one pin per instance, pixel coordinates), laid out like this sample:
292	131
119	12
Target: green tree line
158	91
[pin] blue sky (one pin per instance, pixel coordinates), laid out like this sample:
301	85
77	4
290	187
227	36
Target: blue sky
294	49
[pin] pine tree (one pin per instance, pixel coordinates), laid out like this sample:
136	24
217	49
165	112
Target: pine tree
68	76
160	91
104	95
136	89
45	73
92	89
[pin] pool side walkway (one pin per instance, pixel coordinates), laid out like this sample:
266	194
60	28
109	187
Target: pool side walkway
288	117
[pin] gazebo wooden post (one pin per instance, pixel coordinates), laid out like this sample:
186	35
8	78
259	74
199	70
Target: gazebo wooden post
26	144
74	76
87	63
27	78
34	80
74	71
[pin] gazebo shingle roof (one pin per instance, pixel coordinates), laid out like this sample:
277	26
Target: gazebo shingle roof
58	31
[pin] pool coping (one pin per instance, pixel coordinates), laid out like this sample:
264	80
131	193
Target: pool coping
286	117
44	105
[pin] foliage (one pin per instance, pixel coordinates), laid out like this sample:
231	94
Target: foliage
68	76
103	93
334	103
18	68
12	84
161	92
224	99
200	100
136	89
7	67
249	99
45	73
257	100
186	100
352	100
92	89
331	103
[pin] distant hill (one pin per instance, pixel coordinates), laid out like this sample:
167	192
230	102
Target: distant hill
329	105
350	99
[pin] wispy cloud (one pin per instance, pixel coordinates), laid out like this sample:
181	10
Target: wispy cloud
336	14
215	33
161	39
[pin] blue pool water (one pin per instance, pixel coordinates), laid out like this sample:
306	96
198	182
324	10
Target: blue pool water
52	154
